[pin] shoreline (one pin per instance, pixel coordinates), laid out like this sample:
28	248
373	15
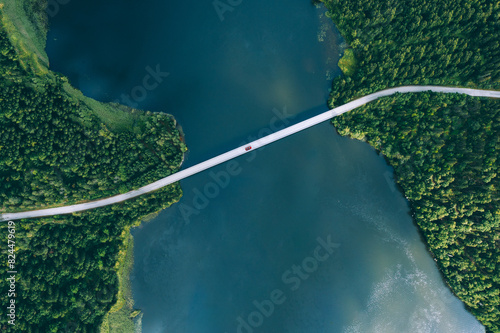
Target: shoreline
27	38
400	189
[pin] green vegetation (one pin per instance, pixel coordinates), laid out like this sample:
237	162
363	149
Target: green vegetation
68	278
59	147
56	151
348	63
119	118
403	42
444	148
121	316
26	25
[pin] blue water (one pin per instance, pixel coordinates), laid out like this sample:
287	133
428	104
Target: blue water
241	251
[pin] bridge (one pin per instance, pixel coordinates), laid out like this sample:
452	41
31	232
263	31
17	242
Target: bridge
244	149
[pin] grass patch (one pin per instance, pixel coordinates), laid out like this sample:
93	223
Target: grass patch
117	117
348	63
121	317
26	23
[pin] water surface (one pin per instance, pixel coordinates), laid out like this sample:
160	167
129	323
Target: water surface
236	239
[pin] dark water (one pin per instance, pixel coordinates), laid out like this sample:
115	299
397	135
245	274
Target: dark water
245	250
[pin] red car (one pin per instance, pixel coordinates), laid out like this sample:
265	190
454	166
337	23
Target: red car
248	148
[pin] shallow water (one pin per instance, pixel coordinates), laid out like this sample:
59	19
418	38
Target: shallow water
237	238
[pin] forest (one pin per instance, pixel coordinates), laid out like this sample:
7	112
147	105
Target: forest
67	277
70	155
58	147
444	148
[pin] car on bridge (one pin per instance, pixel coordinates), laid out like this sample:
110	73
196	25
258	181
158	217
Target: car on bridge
248	148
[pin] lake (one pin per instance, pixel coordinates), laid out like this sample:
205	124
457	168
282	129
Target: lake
308	234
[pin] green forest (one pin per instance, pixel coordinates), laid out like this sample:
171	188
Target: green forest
58	147
55	151
444	148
